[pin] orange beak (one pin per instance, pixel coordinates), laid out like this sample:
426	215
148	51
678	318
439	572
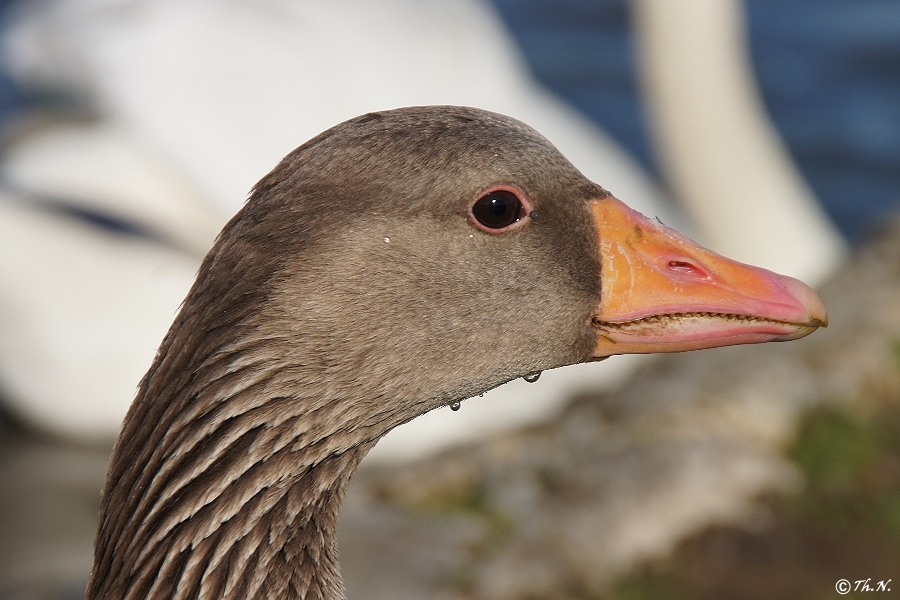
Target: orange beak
662	292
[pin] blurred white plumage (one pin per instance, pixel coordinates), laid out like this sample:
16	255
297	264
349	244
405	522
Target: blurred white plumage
198	100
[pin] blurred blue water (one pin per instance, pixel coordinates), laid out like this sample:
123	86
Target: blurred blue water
829	71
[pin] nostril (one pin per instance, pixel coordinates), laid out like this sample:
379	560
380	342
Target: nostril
686	268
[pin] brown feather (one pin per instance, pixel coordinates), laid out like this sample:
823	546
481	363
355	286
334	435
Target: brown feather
306	337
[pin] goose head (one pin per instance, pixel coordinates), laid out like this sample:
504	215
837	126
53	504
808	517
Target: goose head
396	263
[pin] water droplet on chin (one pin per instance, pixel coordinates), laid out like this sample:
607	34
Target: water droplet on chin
532	377
454	406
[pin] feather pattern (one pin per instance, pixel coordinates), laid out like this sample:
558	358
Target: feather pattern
306	337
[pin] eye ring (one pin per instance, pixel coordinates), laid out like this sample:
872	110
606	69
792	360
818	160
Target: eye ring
499	209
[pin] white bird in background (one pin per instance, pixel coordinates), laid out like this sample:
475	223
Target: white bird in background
197	100
720	151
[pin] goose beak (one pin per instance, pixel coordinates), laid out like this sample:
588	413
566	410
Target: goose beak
662	292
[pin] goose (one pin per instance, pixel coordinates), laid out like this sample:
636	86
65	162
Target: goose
399	262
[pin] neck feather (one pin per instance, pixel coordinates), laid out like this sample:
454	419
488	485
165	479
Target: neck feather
229	488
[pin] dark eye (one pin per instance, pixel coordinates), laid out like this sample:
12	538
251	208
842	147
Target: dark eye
498	209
